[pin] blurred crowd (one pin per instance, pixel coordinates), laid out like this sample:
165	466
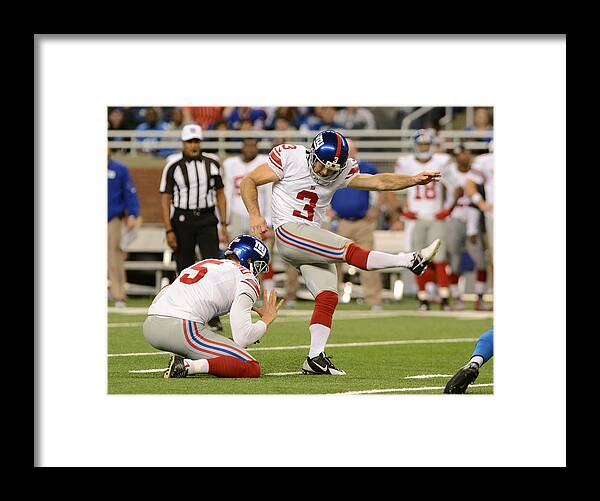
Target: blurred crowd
277	119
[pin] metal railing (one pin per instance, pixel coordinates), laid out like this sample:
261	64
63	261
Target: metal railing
373	145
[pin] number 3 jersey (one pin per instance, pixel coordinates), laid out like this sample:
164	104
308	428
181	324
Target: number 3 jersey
425	200
205	290
296	196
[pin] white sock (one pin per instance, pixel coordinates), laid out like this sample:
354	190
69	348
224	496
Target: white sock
196	366
477	359
380	260
454	291
430	288
318	339
479	288
268	284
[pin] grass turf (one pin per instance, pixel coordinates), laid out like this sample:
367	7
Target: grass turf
368	367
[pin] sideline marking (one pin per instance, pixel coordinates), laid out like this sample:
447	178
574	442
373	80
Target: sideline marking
349	314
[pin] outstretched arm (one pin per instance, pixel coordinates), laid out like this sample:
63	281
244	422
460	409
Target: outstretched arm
392	182
248	189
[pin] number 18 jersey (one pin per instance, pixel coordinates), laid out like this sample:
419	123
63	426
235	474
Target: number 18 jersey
296	196
425	200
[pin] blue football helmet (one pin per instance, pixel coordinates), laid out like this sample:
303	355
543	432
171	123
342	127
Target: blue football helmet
423	136
252	253
331	149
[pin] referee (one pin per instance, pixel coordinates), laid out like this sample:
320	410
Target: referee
191	186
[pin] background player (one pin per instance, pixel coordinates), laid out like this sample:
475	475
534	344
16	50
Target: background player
304	181
234	170
178	315
463	228
484	350
425	205
485	164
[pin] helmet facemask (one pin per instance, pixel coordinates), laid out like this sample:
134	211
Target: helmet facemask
258	267
331	166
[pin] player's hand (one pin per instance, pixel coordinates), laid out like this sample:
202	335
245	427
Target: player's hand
372	214
408	214
486	207
397	225
443	214
223	235
258	226
269	234
268	311
130	222
427	177
172	240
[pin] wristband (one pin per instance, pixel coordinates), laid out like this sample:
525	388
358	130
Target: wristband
169	231
476	198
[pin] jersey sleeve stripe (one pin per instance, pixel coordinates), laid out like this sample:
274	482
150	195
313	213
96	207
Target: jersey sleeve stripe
275	161
276	155
253	285
353	171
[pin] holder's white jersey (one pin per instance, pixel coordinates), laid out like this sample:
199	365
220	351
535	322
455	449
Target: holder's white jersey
205	290
296	196
455	178
485	164
425	200
234	169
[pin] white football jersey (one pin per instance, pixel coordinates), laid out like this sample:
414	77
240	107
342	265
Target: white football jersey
296	196
485	164
234	170
455	178
205	290
425	200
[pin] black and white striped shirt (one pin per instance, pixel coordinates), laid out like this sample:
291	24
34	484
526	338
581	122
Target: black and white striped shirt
192	183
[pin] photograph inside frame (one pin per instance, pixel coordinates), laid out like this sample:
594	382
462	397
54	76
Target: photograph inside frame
253	248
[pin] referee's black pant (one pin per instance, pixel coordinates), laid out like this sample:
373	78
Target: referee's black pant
195	227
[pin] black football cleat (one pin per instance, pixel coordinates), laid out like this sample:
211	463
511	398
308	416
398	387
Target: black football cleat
176	368
321	364
463	378
422	258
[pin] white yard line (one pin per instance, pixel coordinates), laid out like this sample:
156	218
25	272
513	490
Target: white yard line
332	345
428	376
394	390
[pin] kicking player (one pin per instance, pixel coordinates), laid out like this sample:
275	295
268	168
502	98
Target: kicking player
304	181
484	350
177	318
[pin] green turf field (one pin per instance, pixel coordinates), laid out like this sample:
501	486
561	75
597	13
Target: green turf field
380	352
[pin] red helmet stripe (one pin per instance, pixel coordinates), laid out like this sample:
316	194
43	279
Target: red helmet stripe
339	145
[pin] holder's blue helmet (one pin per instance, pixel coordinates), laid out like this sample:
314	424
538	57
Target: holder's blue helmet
331	149
252	253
